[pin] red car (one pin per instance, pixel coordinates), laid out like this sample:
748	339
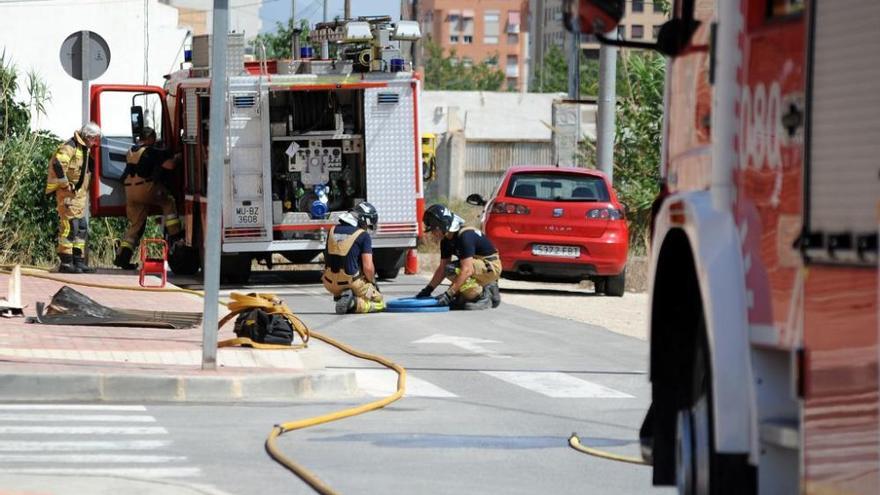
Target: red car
558	224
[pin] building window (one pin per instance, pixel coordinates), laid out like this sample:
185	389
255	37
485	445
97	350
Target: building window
512	39
491	27
467	61
655	31
638	6
621	31
658	8
638	31
513	22
453	38
491	61
467	39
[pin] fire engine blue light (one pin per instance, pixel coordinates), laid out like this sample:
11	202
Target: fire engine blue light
318	209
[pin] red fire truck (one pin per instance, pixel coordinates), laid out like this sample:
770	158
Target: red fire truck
764	286
307	139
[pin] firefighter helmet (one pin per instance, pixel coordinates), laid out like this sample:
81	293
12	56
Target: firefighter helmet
363	216
439	217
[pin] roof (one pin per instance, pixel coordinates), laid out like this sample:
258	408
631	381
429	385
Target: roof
495	115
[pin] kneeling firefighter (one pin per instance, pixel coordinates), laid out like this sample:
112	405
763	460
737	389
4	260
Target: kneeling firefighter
349	273
147	167
474	275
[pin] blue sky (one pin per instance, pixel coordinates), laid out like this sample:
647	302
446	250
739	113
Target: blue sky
273	11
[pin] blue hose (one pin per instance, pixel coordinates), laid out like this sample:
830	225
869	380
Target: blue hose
414	305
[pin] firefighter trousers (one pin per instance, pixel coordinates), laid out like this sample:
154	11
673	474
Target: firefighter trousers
367	295
486	271
73	226
140	195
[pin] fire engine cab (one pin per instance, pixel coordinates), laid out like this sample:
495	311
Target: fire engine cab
307	139
764	286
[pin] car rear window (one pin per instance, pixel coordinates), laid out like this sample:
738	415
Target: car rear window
557	187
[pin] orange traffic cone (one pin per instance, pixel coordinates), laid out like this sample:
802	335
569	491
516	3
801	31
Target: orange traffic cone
412	262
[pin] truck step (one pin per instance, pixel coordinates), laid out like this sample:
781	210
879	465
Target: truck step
783	433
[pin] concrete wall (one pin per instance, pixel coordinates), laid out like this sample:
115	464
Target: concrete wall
31	34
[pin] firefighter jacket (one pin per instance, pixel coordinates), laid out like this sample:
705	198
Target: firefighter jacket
334	258
69	174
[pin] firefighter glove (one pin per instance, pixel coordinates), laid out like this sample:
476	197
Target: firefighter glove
426	292
445	299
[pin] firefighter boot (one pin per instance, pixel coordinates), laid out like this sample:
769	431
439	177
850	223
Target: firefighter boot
123	259
67	265
346	303
494	294
482	302
80	263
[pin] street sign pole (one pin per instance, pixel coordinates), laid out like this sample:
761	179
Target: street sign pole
86	62
217	162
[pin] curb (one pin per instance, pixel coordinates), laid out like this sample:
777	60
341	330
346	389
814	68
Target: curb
108	387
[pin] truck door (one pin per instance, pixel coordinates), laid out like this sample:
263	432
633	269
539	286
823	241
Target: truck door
839	245
121	110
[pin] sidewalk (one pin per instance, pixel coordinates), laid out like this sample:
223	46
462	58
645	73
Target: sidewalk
52	363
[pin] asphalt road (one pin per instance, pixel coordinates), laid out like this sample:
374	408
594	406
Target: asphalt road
492	398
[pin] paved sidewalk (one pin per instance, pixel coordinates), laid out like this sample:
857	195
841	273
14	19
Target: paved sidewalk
51	362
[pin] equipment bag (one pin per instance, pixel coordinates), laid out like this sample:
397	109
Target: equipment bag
264	328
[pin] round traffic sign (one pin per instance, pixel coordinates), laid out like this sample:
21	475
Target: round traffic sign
98	58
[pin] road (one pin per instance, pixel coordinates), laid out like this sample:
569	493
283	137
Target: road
492	398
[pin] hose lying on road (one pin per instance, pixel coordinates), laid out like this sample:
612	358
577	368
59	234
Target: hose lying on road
575	443
268	302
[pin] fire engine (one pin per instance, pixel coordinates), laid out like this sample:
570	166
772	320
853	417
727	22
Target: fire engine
307	139
764	286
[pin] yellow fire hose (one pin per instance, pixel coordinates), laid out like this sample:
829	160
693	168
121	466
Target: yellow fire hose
575	443
271	304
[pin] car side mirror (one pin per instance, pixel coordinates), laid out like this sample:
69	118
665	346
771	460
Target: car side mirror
137	121
476	200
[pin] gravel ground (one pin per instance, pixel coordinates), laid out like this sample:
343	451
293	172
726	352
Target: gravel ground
627	315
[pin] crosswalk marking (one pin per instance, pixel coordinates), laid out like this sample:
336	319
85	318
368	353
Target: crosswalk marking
382	383
557	385
69	407
50	418
91	458
125	448
62	446
187	472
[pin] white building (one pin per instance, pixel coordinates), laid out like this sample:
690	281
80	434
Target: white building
145	44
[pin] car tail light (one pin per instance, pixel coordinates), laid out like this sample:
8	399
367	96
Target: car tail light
510	209
605	214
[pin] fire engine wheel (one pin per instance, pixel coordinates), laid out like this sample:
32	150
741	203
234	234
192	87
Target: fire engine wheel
235	268
183	260
693	442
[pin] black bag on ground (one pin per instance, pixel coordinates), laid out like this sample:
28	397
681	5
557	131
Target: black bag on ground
263	327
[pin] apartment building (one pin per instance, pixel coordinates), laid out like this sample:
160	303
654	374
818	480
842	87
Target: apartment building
480	31
641	22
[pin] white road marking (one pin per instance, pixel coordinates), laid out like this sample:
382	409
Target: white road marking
382	383
120	472
49	418
61	446
68	407
558	385
470	344
91	458
83	430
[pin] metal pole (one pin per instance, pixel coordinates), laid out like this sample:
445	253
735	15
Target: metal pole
416	45
325	10
607	99
84	69
574	83
347	9
293	11
217	164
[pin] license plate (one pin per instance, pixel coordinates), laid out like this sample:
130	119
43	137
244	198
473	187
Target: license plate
561	251
248	215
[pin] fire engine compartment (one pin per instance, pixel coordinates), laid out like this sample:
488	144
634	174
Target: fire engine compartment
317	156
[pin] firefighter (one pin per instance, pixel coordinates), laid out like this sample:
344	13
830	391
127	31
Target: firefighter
474	275
349	273
68	179
147	167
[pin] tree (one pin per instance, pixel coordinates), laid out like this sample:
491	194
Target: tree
552	75
449	72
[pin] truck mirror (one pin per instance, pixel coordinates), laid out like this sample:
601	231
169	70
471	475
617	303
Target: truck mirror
593	16
137	121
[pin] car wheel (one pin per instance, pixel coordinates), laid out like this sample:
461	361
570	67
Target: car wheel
600	285
614	286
